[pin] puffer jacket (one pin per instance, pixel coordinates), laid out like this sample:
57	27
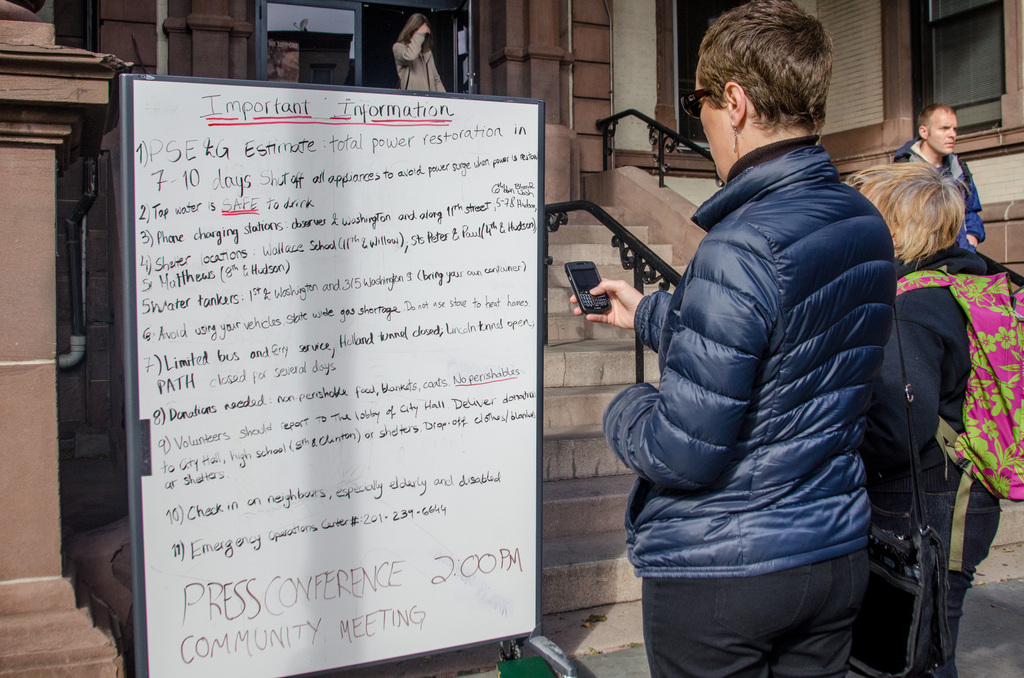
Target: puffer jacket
746	455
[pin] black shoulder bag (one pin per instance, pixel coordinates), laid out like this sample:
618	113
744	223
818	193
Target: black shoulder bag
902	630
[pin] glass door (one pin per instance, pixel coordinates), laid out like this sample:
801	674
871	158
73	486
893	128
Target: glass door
336	42
310	42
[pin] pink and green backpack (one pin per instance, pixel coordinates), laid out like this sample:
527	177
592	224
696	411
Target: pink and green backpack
991	449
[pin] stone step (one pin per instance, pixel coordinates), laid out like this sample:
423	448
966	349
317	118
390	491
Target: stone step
1011	523
582	217
576	405
595	362
41	595
58	644
586	571
585	505
99	668
565	327
579	452
592	233
603	255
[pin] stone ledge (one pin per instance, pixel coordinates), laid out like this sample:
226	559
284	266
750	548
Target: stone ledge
26	33
51	641
36	595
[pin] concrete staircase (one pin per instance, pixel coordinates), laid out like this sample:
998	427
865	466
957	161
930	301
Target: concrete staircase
585	486
43	634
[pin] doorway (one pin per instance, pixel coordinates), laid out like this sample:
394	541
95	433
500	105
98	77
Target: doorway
338	42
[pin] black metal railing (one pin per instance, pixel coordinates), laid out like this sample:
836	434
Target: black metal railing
993	267
648	268
665	139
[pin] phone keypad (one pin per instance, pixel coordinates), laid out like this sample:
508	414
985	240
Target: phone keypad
587	299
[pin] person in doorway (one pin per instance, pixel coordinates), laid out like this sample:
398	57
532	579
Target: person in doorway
748	520
936	136
924	210
413	59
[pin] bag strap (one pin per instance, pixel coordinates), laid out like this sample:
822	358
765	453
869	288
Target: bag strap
925	278
915	484
946	436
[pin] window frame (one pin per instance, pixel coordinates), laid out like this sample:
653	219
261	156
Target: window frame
261	30
925	58
452	6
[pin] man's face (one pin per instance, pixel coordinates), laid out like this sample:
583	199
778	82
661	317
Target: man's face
940	133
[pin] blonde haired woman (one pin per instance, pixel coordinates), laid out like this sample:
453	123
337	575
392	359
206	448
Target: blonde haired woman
924	210
413	59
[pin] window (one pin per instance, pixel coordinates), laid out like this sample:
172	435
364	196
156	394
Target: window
311	44
962	62
342	42
321	74
692	21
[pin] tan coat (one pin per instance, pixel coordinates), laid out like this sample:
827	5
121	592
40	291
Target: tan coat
416	71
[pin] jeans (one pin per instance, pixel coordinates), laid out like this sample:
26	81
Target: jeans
788	624
891	510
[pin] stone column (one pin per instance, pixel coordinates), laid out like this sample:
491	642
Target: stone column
208	38
53	108
524	46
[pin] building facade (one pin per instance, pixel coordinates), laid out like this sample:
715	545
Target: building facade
586	59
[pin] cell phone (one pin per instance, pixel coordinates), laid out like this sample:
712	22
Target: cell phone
583	277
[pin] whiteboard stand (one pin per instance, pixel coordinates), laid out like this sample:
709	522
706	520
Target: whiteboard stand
333	374
553	655
545	648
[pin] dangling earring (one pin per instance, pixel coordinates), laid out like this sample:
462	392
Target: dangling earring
735	139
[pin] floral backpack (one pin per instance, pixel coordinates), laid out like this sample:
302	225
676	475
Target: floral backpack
991	449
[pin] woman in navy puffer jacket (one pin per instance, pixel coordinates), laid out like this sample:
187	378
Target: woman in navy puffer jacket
748	520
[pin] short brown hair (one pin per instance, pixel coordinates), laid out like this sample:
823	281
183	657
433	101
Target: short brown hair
411	26
923	207
926	115
780	55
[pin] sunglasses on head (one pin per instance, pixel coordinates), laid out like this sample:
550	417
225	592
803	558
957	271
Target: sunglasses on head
691	102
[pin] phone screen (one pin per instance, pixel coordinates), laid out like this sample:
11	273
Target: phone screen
586	278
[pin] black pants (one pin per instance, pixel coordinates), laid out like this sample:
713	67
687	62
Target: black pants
792	623
891	510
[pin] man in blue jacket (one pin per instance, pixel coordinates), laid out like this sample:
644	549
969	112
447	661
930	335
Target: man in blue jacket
936	136
748	521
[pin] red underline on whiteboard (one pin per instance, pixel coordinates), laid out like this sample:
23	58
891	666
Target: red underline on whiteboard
334	122
385	121
380	121
489	382
233	213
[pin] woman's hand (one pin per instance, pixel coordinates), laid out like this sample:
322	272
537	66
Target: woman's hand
624	299
423	29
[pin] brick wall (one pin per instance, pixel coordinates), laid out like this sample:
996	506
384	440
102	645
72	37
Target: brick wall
90	396
88	393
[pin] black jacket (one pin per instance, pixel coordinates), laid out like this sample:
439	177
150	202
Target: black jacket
933	331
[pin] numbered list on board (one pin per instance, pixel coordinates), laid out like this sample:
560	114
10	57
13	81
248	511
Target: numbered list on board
336	300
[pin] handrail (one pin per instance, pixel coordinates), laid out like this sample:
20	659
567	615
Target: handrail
993	267
648	268
665	138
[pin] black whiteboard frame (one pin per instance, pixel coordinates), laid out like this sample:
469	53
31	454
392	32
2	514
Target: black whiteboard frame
139	462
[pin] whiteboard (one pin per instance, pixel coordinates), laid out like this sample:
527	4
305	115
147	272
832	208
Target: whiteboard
333	373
